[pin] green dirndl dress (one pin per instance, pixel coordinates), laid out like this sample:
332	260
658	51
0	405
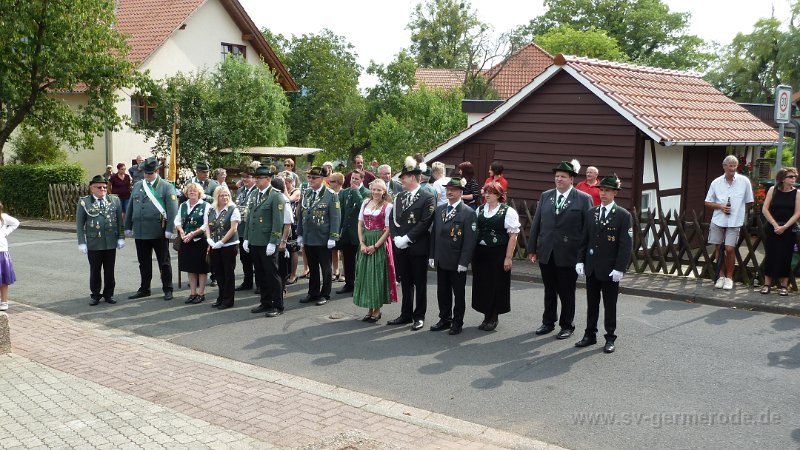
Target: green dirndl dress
375	280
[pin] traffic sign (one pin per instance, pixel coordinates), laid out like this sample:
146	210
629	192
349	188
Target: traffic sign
783	103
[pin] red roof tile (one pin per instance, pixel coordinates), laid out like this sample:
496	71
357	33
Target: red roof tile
674	105
438	78
149	23
519	70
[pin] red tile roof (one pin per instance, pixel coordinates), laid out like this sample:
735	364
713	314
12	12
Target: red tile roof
519	70
438	78
675	106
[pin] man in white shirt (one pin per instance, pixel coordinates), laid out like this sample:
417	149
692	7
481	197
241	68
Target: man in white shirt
729	196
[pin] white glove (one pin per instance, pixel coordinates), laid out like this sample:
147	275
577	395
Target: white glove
331	243
210	242
300	241
218	245
461	268
128	233
579	269
246	246
120	243
270	249
286	254
168	234
82	248
616	276
431	263
402	242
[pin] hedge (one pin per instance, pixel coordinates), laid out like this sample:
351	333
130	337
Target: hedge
23	188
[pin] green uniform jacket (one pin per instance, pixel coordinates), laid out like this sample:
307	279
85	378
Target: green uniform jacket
208	187
265	218
351	200
144	218
321	219
99	228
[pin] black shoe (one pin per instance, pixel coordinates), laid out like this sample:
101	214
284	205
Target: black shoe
441	325
199	299
564	333
94	302
455	329
168	295
399	321
308	299
111	301
345	289
221	307
257	291
215	305
140	294
322	301
586	341
490	326
609	347
482	326
544	329
258	309
190	299
274	313
418	324
244	287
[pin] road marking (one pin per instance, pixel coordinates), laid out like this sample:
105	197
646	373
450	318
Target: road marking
53	241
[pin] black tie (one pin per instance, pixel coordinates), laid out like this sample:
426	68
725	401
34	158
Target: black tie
603	214
449	209
313	196
258	197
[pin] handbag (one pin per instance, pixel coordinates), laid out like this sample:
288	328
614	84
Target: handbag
176	243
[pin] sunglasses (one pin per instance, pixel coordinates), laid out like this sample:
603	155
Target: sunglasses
790	176
313	177
100	186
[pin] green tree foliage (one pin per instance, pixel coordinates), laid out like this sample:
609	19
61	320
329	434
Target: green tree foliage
646	30
34	147
55	46
395	80
749	68
328	112
443	32
426	118
592	43
238	105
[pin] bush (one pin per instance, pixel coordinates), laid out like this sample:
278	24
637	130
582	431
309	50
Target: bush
23	188
32	147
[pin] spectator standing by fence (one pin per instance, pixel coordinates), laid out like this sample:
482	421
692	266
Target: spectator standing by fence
781	210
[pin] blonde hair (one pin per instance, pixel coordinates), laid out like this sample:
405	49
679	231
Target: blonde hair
437	167
196	187
379	183
220	189
337	176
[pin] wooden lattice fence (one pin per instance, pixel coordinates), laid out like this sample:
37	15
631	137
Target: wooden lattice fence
675	244
62	200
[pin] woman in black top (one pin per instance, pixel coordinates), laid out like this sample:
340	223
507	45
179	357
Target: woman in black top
472	192
781	209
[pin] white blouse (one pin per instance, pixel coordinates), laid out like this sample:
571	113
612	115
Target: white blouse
9	225
511	222
375	212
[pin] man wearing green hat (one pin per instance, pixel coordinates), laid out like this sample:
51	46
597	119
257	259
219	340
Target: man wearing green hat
556	233
453	240
351	200
99	225
243	197
202	169
604	255
318	229
149	219
265	234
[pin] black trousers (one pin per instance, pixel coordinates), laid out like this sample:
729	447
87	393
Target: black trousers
267	277
450	291
413	271
223	263
144	253
559	282
319	260
610	292
247	266
349	252
102	260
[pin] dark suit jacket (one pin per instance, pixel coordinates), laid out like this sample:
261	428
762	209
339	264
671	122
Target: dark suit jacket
453	242
414	221
351	200
558	236
606	247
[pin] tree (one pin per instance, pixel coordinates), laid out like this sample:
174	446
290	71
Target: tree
395	80
442	32
59	46
646	31
236	106
329	111
592	43
34	147
426	118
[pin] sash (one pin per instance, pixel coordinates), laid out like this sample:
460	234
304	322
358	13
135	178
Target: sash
157	201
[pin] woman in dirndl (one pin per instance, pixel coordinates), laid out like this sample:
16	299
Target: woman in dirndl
375	284
498	228
193	246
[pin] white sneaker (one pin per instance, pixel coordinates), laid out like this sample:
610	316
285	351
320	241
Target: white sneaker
728	284
720	282
4	306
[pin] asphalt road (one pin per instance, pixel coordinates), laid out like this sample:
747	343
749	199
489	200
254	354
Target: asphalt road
684	375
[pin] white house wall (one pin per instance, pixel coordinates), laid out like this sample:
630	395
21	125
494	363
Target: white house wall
670	167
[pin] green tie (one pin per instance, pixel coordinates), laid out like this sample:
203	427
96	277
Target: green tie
560	202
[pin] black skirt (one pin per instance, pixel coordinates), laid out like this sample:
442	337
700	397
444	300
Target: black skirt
491	285
192	257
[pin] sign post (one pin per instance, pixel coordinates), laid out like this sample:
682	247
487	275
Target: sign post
783	112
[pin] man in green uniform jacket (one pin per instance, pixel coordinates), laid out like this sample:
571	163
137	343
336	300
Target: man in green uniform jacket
149	219
351	200
98	220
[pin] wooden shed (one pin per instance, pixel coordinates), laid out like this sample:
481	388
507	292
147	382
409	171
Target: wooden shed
664	132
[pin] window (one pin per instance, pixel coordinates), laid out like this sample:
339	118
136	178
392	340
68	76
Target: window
141	110
233	49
